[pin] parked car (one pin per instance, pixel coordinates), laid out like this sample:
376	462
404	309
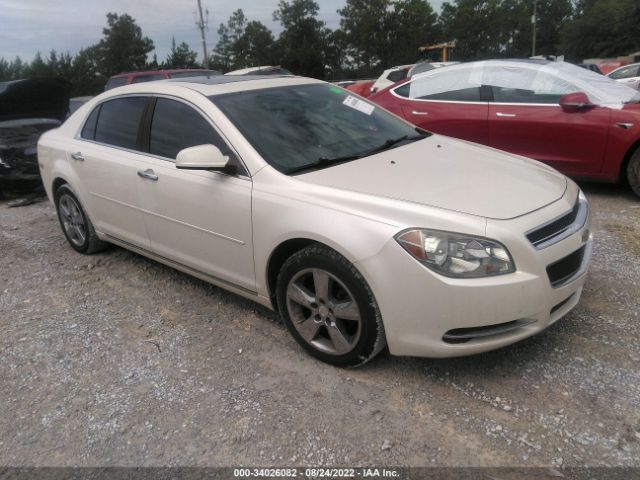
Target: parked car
628	75
591	66
577	121
362	230
261	70
76	102
362	88
422	67
28	108
152	75
390	76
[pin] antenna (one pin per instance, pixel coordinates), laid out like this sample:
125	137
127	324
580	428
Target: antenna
202	24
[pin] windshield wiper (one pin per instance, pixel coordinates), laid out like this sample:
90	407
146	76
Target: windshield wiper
324	162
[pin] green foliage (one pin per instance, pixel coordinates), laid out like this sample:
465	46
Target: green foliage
304	39
123	48
603	28
373	35
502	28
180	57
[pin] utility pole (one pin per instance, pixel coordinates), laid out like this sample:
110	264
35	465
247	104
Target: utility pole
201	23
533	22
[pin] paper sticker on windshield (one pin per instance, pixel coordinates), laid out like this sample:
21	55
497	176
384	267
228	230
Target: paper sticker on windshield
359	105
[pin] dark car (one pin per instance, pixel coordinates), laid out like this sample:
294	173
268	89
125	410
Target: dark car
591	66
152	75
28	108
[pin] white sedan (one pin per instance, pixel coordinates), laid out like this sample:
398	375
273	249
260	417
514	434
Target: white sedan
361	230
627	74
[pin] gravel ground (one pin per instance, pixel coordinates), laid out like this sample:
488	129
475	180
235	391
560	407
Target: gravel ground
113	359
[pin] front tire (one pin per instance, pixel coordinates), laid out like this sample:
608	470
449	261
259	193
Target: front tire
328	307
75	223
633	172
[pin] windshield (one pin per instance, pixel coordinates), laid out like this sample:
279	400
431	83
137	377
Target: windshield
297	126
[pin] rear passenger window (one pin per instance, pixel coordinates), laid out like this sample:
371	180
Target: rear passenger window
89	129
176	126
119	120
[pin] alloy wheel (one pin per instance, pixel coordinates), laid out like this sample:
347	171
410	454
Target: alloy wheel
323	311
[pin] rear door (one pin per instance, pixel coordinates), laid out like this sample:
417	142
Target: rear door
106	159
449	102
525	118
200	219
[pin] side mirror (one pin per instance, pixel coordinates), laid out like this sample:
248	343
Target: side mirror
202	157
574	102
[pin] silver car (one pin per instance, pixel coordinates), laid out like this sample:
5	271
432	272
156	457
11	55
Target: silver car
362	230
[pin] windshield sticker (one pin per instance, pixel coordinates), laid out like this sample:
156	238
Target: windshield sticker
335	90
359	105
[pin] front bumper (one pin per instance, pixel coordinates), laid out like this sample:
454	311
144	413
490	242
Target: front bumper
423	311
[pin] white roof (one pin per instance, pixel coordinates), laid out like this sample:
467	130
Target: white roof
600	89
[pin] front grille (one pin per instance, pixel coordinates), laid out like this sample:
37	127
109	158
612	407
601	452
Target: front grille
560	228
562	270
462	335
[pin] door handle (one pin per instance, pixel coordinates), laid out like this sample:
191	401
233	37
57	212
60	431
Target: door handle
500	114
624	125
78	156
416	112
148	174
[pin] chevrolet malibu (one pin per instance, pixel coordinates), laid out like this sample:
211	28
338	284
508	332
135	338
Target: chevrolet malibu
362	230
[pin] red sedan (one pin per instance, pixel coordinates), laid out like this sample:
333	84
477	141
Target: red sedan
583	124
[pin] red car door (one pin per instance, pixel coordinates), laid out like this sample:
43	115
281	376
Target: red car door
527	119
448	103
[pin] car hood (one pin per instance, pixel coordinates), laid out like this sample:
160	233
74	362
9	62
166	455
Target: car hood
34	98
450	174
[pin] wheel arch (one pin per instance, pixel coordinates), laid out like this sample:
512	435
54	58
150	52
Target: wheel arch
288	247
622	175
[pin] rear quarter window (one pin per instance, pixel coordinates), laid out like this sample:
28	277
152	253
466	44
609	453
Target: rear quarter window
89	129
119	120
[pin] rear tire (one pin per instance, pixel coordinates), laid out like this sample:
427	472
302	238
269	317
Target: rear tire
328	307
633	172
75	223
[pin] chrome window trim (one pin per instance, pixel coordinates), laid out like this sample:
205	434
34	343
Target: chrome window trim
78	135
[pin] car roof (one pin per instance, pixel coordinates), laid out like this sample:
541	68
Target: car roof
215	85
164	70
624	66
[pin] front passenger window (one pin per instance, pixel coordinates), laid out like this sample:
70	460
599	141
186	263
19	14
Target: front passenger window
176	126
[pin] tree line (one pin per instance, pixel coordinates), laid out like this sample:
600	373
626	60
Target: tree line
373	35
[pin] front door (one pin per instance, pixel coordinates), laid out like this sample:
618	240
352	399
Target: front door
199	219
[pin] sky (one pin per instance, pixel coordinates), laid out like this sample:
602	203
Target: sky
28	26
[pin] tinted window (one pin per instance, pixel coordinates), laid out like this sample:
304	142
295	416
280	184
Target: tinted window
462	85
147	78
115	82
176	126
119	120
628	72
397	75
526	85
296	126
89	129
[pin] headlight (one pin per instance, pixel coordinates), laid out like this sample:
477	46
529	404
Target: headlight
456	255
